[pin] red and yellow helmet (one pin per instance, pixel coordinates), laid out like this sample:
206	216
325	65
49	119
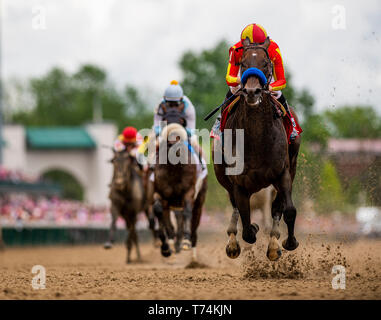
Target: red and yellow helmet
129	134
255	32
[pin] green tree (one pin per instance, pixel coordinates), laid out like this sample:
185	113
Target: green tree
73	99
330	197
71	188
354	122
138	111
204	79
315	130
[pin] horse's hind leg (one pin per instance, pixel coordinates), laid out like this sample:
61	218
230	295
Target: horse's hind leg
289	213
274	250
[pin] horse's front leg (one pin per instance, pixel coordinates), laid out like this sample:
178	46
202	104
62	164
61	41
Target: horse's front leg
170	230
180	230
187	215
150	214
242	199
274	250
114	217
233	248
158	210
130	236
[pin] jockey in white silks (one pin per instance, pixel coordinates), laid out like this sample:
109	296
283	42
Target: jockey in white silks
174	98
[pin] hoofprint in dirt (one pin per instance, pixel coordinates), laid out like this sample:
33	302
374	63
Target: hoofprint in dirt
89	272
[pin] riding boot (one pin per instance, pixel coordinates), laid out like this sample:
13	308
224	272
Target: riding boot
283	101
294	132
218	121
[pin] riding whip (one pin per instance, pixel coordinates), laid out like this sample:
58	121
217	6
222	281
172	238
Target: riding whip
225	103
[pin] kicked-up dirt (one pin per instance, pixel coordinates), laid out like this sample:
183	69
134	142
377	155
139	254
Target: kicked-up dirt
91	272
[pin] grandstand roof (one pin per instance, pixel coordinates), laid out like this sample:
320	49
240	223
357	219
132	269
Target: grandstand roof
59	138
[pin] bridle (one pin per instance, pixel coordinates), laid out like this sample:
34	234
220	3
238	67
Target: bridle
126	164
268	63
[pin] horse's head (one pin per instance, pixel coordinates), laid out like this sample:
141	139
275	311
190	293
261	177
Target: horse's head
122	163
256	70
173	112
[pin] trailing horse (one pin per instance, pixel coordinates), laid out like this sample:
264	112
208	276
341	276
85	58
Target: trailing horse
177	188
127	197
268	157
261	201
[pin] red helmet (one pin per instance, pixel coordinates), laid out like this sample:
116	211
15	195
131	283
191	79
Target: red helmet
129	134
255	32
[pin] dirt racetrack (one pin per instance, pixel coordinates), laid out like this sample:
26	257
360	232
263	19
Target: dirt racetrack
90	272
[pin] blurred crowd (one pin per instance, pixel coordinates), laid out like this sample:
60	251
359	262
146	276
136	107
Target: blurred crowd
22	208
16	176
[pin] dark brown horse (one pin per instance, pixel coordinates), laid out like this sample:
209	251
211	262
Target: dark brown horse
176	189
127	197
268	158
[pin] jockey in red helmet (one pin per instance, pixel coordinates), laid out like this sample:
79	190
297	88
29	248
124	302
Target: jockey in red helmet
257	35
130	140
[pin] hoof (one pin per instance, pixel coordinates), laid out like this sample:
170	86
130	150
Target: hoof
171	244
186	245
165	251
290	245
274	250
250	235
107	245
233	249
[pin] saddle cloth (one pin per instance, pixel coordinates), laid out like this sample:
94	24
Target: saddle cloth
289	122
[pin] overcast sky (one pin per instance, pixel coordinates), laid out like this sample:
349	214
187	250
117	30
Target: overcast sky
141	41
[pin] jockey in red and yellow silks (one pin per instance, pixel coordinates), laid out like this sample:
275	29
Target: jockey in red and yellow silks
257	35
279	81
